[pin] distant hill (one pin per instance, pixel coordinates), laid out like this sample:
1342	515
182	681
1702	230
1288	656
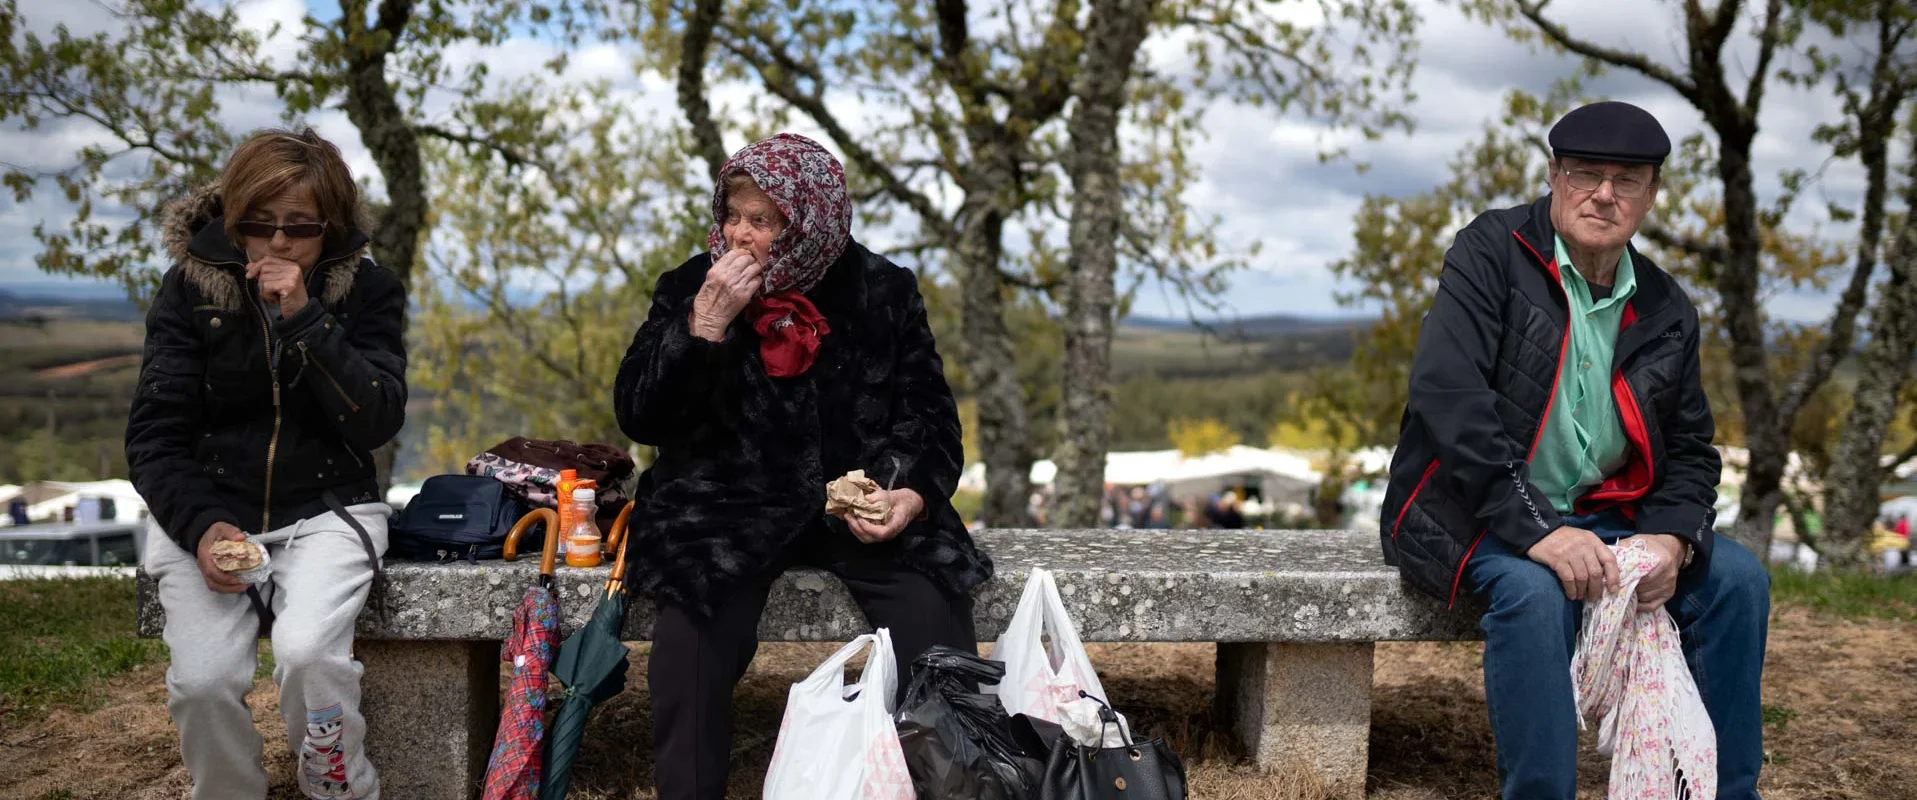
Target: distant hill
1213	348
18	305
1259	327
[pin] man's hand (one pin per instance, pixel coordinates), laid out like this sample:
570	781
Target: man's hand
1582	561
217	579
281	282
1657	588
730	285
904	505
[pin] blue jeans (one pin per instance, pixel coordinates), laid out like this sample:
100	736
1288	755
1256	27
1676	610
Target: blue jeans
1530	632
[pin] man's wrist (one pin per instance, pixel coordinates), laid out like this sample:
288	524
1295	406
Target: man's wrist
1684	552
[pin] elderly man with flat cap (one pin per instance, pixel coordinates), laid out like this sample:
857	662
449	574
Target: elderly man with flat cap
1555	408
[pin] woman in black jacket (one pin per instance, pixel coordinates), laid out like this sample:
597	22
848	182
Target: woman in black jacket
273	366
786	357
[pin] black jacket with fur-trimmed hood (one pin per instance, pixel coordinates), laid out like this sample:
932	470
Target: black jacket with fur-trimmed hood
744	457
249	419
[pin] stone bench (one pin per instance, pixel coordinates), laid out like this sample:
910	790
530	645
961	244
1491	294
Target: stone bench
1294	615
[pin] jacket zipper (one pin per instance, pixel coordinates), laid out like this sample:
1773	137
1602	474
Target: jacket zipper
304	356
1550	268
273	444
273	370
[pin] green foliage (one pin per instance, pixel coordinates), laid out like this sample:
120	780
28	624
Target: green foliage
1248	405
1198	437
1398	255
65	635
147	93
545	269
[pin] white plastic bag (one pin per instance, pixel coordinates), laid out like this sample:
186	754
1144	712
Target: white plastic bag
837	742
1629	670
1043	678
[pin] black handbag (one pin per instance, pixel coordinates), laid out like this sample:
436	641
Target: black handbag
1138	771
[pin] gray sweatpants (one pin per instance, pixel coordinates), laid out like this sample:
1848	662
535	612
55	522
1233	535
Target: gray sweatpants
321	577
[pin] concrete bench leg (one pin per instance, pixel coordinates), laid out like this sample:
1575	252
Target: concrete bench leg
431	710
1303	707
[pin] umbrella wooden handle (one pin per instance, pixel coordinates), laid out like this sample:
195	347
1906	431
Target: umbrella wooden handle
551	519
616	582
618	532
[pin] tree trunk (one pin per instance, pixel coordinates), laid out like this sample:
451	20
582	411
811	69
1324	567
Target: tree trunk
1766	435
692	86
1851	496
388	135
1116	29
1004	429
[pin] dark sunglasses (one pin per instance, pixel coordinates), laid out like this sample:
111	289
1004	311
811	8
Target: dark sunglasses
293	230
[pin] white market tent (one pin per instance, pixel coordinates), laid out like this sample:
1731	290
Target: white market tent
62	495
1280	476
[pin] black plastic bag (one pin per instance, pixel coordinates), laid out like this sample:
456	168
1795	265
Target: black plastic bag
959	743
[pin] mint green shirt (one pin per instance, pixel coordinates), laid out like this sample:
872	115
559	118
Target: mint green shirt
1583	438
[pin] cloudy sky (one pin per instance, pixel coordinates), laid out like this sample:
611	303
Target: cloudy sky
1261	176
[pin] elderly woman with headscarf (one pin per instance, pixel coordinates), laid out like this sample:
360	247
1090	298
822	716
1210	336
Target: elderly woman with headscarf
786	357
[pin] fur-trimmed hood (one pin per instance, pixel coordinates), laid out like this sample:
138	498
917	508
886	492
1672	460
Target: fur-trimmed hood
194	234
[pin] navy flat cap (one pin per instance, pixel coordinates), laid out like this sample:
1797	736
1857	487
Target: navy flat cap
1611	131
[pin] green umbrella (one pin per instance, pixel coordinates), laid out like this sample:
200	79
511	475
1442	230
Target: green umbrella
592	666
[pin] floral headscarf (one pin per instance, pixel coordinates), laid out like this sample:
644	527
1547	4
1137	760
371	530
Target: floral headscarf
808	185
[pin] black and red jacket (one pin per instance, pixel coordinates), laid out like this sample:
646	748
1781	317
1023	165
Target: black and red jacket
1484	378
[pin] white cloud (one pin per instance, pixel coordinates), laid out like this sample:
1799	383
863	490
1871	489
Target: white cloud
1260	174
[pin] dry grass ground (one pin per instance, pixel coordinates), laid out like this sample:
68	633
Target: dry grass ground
1840	696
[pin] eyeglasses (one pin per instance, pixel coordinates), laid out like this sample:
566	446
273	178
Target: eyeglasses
293	230
1588	180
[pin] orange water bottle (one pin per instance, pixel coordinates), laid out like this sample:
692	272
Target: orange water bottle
583	539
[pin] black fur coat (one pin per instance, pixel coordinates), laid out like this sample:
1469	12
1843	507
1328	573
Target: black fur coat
743	458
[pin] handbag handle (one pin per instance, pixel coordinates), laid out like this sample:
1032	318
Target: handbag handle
1106	718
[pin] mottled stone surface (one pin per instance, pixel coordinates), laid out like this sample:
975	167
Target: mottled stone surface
1295	614
431	709
1301	707
1122	586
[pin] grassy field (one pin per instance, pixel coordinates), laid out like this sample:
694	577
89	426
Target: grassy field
64	637
77	688
1859	598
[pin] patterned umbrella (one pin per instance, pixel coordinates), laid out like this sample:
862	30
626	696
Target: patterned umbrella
513	772
592	666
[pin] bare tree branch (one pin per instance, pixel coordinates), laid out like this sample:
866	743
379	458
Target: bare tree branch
1766	49
1665	237
814	106
1898	461
954	38
1534	11
1025	282
692	87
142	139
1876	121
1049	84
511	155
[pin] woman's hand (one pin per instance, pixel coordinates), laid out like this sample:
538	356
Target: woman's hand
730	285
902	507
281	282
217	579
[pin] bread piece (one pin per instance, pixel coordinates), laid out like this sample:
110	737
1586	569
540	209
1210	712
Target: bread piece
845	497
231	556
